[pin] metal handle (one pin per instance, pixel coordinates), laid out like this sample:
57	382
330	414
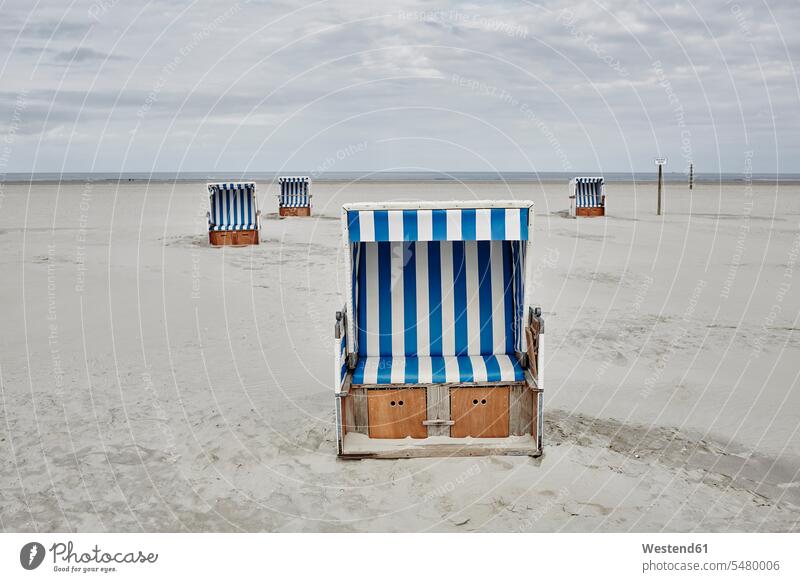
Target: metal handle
338	327
536	312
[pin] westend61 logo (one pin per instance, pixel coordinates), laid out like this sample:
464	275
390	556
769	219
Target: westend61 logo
66	559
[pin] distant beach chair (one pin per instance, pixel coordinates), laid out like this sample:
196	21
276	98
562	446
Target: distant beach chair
295	196
435	339
587	197
233	217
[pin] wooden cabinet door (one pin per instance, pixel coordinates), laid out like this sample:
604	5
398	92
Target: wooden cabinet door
221	237
246	237
479	412
397	414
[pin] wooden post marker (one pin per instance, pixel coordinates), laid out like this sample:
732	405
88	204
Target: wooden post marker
691	175
660	163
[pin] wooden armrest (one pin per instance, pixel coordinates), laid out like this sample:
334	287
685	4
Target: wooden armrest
532	331
348	383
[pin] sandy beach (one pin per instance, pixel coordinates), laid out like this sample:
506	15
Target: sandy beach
153	383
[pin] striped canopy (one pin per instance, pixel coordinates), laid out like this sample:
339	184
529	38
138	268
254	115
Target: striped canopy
588	192
233	206
438	293
294	192
453	224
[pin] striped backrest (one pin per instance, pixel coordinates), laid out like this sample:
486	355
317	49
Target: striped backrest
294	192
588	192
438	298
450	224
232	206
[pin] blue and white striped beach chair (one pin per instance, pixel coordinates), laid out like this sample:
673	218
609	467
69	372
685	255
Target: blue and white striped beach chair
435	339
587	197
294	198
233	216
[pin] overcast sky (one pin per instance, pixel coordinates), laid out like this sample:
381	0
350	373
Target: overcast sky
115	85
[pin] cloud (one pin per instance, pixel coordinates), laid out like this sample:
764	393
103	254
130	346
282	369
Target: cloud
83	54
56	29
50	30
267	78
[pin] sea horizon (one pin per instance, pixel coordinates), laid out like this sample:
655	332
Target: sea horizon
392	176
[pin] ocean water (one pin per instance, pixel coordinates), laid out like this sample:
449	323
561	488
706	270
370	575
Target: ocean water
618	177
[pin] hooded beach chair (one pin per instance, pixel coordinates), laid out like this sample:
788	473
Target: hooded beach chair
587	197
233	217
295	196
437	352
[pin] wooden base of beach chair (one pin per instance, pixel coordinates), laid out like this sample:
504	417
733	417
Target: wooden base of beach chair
295	211
356	447
233	237
432	420
596	211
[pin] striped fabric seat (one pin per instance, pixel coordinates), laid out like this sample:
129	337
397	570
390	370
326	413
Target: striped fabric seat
251	226
232	206
438	370
294	192
588	192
